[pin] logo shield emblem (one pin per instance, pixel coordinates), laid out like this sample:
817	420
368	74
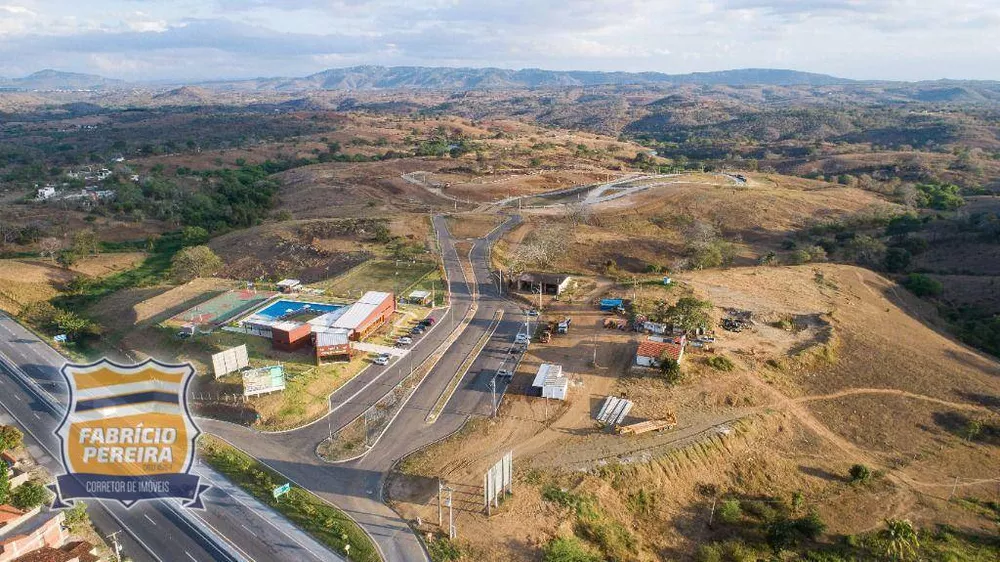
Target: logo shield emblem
128	435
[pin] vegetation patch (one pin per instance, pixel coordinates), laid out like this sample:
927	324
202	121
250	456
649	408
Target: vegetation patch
320	519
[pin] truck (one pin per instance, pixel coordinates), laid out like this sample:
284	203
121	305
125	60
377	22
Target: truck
563	326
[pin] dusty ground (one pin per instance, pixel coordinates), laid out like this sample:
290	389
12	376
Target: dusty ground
650	228
107	264
865	382
26	282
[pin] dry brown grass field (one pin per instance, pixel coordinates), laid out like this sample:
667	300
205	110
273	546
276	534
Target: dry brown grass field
867	382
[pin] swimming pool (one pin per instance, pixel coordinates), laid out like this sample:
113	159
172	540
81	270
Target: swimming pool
285	308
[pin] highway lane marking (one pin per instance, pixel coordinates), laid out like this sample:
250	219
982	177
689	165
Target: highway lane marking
149	519
19	399
251	509
191	557
37	417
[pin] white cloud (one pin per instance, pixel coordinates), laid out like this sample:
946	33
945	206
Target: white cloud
182	38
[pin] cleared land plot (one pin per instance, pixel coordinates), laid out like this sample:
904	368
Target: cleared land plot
398	277
106	264
24	282
150	305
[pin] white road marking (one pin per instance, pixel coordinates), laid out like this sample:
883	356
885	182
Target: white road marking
191	557
148	519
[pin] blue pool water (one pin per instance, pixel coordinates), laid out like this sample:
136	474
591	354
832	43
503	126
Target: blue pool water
284	308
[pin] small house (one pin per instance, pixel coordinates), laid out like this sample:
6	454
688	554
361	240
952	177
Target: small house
651	351
289	285
422	298
550	283
46	192
550	383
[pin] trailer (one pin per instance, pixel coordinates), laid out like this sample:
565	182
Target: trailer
649	425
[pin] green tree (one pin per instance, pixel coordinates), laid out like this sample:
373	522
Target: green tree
670	368
866	250
29	495
923	285
898	540
897	259
195	261
689	314
10	438
4	484
85	242
193	236
799	257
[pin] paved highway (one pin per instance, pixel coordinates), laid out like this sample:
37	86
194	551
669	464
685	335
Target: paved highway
356	487
32	393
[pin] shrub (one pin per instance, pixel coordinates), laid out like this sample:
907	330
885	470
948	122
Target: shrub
29	495
800	257
720	363
443	549
860	474
567	549
10	438
670	369
923	285
730	511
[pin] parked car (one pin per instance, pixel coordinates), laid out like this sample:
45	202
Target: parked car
382	359
405	340
418	329
429	321
184	335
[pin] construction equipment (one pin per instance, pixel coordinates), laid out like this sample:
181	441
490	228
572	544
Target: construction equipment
648	425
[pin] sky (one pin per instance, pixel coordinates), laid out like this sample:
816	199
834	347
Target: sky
226	39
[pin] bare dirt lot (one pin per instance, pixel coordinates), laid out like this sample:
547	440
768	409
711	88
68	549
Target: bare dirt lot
796	411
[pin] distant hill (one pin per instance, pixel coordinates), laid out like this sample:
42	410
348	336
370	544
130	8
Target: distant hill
56	80
440	78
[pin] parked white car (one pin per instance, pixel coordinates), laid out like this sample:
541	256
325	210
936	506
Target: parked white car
382	359
405	340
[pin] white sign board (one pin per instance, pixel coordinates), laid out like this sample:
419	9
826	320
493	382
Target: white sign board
498	481
263	380
230	361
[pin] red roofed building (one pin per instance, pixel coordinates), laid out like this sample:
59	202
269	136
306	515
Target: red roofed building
80	551
24	532
651	351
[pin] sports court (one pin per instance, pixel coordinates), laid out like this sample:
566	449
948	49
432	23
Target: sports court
221	309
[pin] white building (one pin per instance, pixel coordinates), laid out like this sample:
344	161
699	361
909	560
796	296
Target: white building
46	192
550	383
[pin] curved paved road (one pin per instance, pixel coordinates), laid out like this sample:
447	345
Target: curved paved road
356	486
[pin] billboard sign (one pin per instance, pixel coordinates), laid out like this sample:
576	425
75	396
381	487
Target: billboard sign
230	361
263	381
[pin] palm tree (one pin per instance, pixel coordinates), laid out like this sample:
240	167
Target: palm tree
899	540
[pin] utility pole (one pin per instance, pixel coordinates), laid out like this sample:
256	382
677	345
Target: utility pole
493	391
440	504
117	545
452	532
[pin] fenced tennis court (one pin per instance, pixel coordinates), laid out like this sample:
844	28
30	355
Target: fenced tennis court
222	309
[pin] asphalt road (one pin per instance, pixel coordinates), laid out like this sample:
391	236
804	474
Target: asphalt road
155	531
356	487
150	531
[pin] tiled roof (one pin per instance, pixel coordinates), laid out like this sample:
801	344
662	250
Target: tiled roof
656	349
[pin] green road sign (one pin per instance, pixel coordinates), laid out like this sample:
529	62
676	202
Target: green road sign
281	490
